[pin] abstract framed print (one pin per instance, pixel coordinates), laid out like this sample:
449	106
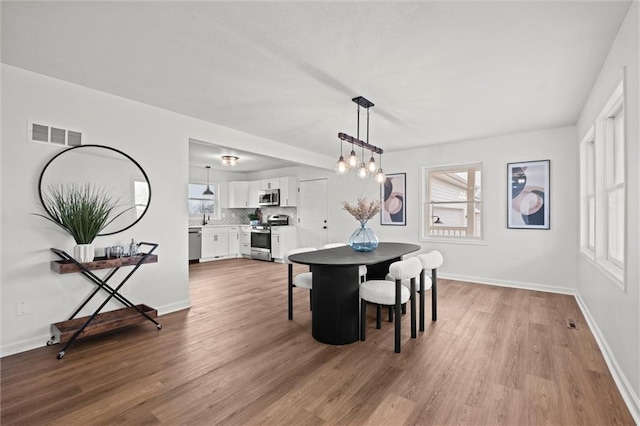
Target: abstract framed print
528	195
393	200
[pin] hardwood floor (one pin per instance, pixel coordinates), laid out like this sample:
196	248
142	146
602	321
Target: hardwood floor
495	356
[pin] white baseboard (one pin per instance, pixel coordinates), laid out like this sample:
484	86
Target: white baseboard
511	284
41	341
25	345
173	307
624	387
629	396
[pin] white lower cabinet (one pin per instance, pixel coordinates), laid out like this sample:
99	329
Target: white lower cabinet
283	239
234	241
245	241
215	243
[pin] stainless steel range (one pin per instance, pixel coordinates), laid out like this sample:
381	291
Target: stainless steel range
261	237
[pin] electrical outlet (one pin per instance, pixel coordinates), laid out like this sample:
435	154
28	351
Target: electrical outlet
21	308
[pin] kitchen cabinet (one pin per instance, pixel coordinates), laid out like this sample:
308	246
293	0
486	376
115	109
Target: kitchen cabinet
244	194
245	241
254	190
283	239
238	195
288	191
272	183
215	242
234	241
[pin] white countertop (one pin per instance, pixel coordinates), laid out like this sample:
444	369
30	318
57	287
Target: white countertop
226	226
219	226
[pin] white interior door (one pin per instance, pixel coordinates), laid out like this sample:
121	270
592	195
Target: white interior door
312	213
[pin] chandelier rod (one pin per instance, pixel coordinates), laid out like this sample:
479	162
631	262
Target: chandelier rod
358	142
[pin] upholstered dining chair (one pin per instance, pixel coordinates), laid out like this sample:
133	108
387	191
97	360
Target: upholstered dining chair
363	268
433	260
430	262
386	293
303	280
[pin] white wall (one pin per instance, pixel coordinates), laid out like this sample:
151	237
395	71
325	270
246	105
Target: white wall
614	312
527	258
143	132
156	138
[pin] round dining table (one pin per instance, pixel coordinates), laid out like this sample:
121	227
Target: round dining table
335	286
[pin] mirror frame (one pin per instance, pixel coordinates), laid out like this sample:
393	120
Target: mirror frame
105	147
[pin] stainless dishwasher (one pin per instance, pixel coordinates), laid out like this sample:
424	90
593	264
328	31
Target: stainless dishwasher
195	243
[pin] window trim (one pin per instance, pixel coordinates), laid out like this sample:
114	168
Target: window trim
424	233
217	213
588	139
601	133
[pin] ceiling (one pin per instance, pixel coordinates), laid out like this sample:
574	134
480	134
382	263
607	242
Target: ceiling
203	154
286	71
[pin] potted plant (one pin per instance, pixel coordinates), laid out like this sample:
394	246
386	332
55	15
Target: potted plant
83	210
253	218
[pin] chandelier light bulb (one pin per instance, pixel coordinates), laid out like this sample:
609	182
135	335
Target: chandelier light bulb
363	172
372	165
353	159
380	177
341	166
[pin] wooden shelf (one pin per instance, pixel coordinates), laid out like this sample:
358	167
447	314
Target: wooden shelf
107	321
67	266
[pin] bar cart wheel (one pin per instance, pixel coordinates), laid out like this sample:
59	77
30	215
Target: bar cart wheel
159	326
60	354
51	341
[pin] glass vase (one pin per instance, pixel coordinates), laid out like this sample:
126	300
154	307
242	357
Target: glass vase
363	238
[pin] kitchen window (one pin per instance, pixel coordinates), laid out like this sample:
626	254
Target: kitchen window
201	204
452	203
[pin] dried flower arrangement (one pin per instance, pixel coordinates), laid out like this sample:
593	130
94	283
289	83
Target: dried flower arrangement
363	210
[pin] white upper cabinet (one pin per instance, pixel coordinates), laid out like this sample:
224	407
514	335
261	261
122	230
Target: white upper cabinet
238	195
254	189
288	191
243	194
273	183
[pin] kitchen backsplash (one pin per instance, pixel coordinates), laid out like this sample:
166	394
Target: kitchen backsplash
240	216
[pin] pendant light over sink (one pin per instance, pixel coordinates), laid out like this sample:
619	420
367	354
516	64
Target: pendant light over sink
365	170
208	191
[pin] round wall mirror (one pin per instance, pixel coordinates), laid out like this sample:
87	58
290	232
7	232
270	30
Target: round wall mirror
109	169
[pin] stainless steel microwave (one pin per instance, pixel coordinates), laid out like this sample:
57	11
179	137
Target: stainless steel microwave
269	197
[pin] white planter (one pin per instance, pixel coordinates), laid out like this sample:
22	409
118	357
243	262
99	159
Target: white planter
84	253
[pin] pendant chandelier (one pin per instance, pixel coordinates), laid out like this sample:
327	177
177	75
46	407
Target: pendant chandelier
364	170
208	191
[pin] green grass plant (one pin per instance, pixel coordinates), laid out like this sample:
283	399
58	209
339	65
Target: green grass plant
81	209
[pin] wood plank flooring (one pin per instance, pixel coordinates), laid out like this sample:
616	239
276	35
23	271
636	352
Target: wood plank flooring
496	356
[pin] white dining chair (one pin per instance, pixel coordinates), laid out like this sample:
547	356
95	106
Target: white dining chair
430	262
387	293
433	260
363	268
303	280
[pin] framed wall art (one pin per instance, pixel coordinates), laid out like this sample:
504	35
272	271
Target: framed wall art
528	195
393	200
